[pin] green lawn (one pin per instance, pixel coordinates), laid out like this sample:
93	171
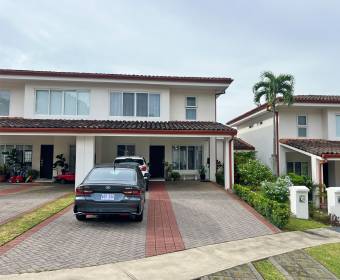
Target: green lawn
18	226
300	224
268	270
328	255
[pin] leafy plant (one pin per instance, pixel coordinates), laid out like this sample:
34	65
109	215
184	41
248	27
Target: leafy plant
279	190
239	159
168	170
61	163
34	173
271	87
220	177
175	175
253	173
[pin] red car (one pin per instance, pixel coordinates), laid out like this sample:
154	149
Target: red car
67	177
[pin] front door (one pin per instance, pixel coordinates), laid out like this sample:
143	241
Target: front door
46	161
156	164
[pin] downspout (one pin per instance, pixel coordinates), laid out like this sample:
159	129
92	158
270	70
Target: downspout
277	144
321	182
231	163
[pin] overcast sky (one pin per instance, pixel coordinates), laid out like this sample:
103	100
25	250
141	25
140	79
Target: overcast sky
237	39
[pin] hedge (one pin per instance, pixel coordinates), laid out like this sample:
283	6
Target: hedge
277	213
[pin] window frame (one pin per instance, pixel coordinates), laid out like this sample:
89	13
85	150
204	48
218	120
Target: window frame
337	116
190	107
122	144
302	126
9	101
301	167
187	156
62	102
14	146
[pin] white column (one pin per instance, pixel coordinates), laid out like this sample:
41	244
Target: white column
283	161
228	148
85	150
212	156
315	172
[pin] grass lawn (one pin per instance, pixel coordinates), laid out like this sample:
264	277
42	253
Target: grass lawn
18	226
300	224
268	270
328	255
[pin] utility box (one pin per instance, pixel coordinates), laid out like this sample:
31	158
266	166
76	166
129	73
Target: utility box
299	201
333	201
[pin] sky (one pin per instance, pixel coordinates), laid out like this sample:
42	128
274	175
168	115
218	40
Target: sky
237	39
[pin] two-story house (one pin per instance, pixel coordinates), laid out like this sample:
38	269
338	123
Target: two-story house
91	118
309	136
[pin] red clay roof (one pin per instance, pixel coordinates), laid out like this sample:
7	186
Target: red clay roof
319	147
241	145
12	72
306	99
8	124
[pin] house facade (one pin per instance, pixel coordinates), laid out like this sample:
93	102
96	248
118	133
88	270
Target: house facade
91	118
309	136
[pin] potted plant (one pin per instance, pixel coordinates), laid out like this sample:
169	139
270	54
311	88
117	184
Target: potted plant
60	164
202	172
175	175
3	173
168	170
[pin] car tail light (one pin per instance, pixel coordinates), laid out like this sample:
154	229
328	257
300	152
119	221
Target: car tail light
132	192
81	191
142	167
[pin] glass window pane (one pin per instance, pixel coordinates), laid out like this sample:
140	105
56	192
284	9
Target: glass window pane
290	167
128	104
142	104
56	102
302	120
154	105
4	103
41	102
130	150
116	102
183	158
83	103
304	168
337	126
191	101
298	168
302	132
70	103
191	157
191	114
175	157
120	150
199	157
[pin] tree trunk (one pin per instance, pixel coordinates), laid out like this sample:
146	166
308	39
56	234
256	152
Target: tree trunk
275	163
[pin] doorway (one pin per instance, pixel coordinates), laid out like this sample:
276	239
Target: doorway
156	164
46	161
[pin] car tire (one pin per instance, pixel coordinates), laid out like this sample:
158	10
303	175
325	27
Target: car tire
139	217
80	217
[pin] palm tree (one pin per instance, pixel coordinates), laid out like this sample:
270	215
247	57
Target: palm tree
274	89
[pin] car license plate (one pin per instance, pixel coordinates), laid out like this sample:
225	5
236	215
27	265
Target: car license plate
107	196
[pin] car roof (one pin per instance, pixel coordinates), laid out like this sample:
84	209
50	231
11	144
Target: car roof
134	157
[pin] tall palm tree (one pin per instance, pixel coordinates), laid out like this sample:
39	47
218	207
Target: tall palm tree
274	89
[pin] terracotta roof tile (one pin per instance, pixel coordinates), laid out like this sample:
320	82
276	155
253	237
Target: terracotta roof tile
242	145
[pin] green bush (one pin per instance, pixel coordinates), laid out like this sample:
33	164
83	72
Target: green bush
220	177
253	173
277	213
298	180
175	175
279	190
239	159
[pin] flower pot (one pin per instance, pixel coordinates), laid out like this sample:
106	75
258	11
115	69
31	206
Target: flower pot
2	178
202	176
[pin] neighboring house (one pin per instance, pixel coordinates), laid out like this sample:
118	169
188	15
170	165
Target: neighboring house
91	118
309	136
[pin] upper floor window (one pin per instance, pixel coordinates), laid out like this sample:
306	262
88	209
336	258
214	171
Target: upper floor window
62	102
191	108
302	125
4	103
140	104
338	126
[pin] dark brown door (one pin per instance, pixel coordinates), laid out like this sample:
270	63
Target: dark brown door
46	161
157	161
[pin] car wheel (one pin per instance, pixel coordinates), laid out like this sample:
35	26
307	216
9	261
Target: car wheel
80	217
139	218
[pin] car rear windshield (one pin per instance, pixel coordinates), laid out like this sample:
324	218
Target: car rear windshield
113	175
137	160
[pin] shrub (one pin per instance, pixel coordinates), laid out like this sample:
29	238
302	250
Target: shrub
253	172
175	175
276	212
239	159
298	180
220	177
279	190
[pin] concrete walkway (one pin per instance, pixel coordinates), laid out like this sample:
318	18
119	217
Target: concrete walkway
194	263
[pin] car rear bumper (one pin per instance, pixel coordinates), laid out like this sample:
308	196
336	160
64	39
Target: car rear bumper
107	208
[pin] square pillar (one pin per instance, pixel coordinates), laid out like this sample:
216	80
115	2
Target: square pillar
212	156
85	151
283	160
228	151
315	170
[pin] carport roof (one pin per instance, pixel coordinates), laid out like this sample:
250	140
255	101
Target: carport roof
8	124
241	145
318	147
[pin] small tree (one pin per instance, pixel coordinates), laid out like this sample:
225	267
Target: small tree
270	88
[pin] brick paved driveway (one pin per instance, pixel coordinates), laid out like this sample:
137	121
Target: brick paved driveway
196	213
14	204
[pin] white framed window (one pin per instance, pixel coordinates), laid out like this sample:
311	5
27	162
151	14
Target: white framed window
187	157
140	104
23	153
302	125
62	102
299	168
337	123
4	102
191	108
126	150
